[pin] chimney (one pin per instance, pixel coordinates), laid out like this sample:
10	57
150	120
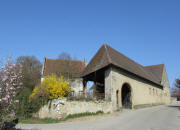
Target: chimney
85	61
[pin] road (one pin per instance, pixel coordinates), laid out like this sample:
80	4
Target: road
153	118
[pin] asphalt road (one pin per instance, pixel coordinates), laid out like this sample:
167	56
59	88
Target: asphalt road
153	118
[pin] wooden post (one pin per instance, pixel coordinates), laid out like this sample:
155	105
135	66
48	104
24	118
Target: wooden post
85	88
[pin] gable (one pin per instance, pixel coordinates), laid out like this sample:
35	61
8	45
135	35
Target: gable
100	60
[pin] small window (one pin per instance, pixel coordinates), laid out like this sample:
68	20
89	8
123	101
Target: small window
72	93
153	92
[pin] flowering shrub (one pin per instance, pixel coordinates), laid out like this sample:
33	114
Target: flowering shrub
52	87
10	82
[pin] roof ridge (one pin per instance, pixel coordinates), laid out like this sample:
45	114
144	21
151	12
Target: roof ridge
109	59
124	55
65	60
154	65
99	60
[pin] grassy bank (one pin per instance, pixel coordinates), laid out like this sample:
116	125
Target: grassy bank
49	120
38	121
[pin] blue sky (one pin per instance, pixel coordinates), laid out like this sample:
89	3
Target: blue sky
147	31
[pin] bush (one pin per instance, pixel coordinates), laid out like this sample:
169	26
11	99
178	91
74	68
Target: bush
26	107
52	87
31	75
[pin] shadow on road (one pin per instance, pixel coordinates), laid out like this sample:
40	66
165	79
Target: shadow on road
175	106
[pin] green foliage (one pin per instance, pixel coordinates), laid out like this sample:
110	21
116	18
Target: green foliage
31	72
51	87
24	106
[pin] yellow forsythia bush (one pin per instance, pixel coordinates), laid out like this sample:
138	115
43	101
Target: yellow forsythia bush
52	86
34	92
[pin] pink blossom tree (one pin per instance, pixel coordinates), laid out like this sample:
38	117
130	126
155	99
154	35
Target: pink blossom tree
10	82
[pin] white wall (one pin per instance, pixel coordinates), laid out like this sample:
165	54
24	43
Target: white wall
77	85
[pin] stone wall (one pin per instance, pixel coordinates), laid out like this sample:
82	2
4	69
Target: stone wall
166	89
142	93
60	108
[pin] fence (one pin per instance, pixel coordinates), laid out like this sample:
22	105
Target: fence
87	96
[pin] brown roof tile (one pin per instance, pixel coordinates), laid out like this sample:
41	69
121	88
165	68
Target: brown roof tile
107	55
55	66
156	70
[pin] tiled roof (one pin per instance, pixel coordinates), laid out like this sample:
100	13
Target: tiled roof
57	66
107	56
156	70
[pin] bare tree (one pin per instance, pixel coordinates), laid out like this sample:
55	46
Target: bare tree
65	56
31	69
176	89
68	59
31	72
177	84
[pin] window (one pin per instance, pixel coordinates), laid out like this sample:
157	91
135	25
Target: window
72	93
153	92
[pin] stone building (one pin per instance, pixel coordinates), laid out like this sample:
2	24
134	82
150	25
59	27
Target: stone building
126	83
118	80
71	69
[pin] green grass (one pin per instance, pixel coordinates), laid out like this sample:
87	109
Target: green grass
78	115
38	121
49	120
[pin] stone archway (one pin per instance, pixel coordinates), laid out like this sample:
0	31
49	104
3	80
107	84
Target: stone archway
126	98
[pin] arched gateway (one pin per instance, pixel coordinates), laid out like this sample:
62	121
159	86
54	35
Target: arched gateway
126	98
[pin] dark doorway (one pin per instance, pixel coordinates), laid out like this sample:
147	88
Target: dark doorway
126	96
117	99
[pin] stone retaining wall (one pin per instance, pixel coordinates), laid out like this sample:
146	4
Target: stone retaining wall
60	108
